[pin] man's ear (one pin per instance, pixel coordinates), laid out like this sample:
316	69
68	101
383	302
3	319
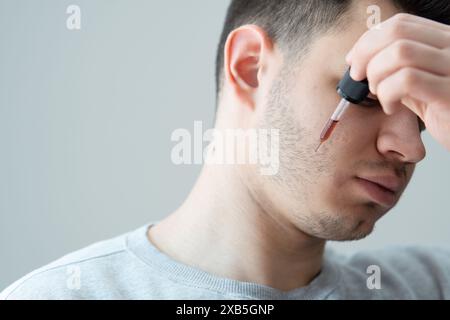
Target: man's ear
245	52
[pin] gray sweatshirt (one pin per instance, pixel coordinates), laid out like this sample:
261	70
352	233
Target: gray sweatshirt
130	267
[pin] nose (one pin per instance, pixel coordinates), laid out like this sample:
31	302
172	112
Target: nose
400	138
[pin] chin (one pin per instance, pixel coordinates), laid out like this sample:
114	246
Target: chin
362	230
347	225
361	223
348	233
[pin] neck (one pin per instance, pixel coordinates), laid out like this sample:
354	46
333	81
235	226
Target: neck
222	229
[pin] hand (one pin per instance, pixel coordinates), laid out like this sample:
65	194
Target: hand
407	63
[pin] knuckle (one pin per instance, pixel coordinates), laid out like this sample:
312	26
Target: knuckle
401	16
408	78
398	29
404	50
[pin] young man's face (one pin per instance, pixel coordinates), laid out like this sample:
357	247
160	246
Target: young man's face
326	194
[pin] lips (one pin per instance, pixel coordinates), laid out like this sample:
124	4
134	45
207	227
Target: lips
390	183
384	190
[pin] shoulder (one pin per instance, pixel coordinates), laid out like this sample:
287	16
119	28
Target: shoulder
62	279
417	272
417	259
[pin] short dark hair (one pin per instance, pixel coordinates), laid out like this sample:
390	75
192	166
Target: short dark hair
291	23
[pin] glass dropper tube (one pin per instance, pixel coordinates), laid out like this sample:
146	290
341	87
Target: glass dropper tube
351	91
333	121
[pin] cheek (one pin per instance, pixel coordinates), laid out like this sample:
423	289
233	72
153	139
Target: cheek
334	165
313	108
355	135
328	192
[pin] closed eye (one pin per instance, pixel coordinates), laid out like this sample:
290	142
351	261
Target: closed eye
370	103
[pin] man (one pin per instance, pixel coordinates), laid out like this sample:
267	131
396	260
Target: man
244	235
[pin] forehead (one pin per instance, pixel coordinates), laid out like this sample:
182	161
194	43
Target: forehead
333	46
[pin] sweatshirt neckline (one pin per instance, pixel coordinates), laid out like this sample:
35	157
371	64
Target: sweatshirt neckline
138	243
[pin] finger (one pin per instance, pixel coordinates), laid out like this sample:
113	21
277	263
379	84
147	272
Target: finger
375	40
403	54
421	21
414	83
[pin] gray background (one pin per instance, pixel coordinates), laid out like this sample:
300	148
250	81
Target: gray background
86	118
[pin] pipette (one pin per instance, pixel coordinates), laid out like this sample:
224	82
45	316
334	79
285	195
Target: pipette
351	91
